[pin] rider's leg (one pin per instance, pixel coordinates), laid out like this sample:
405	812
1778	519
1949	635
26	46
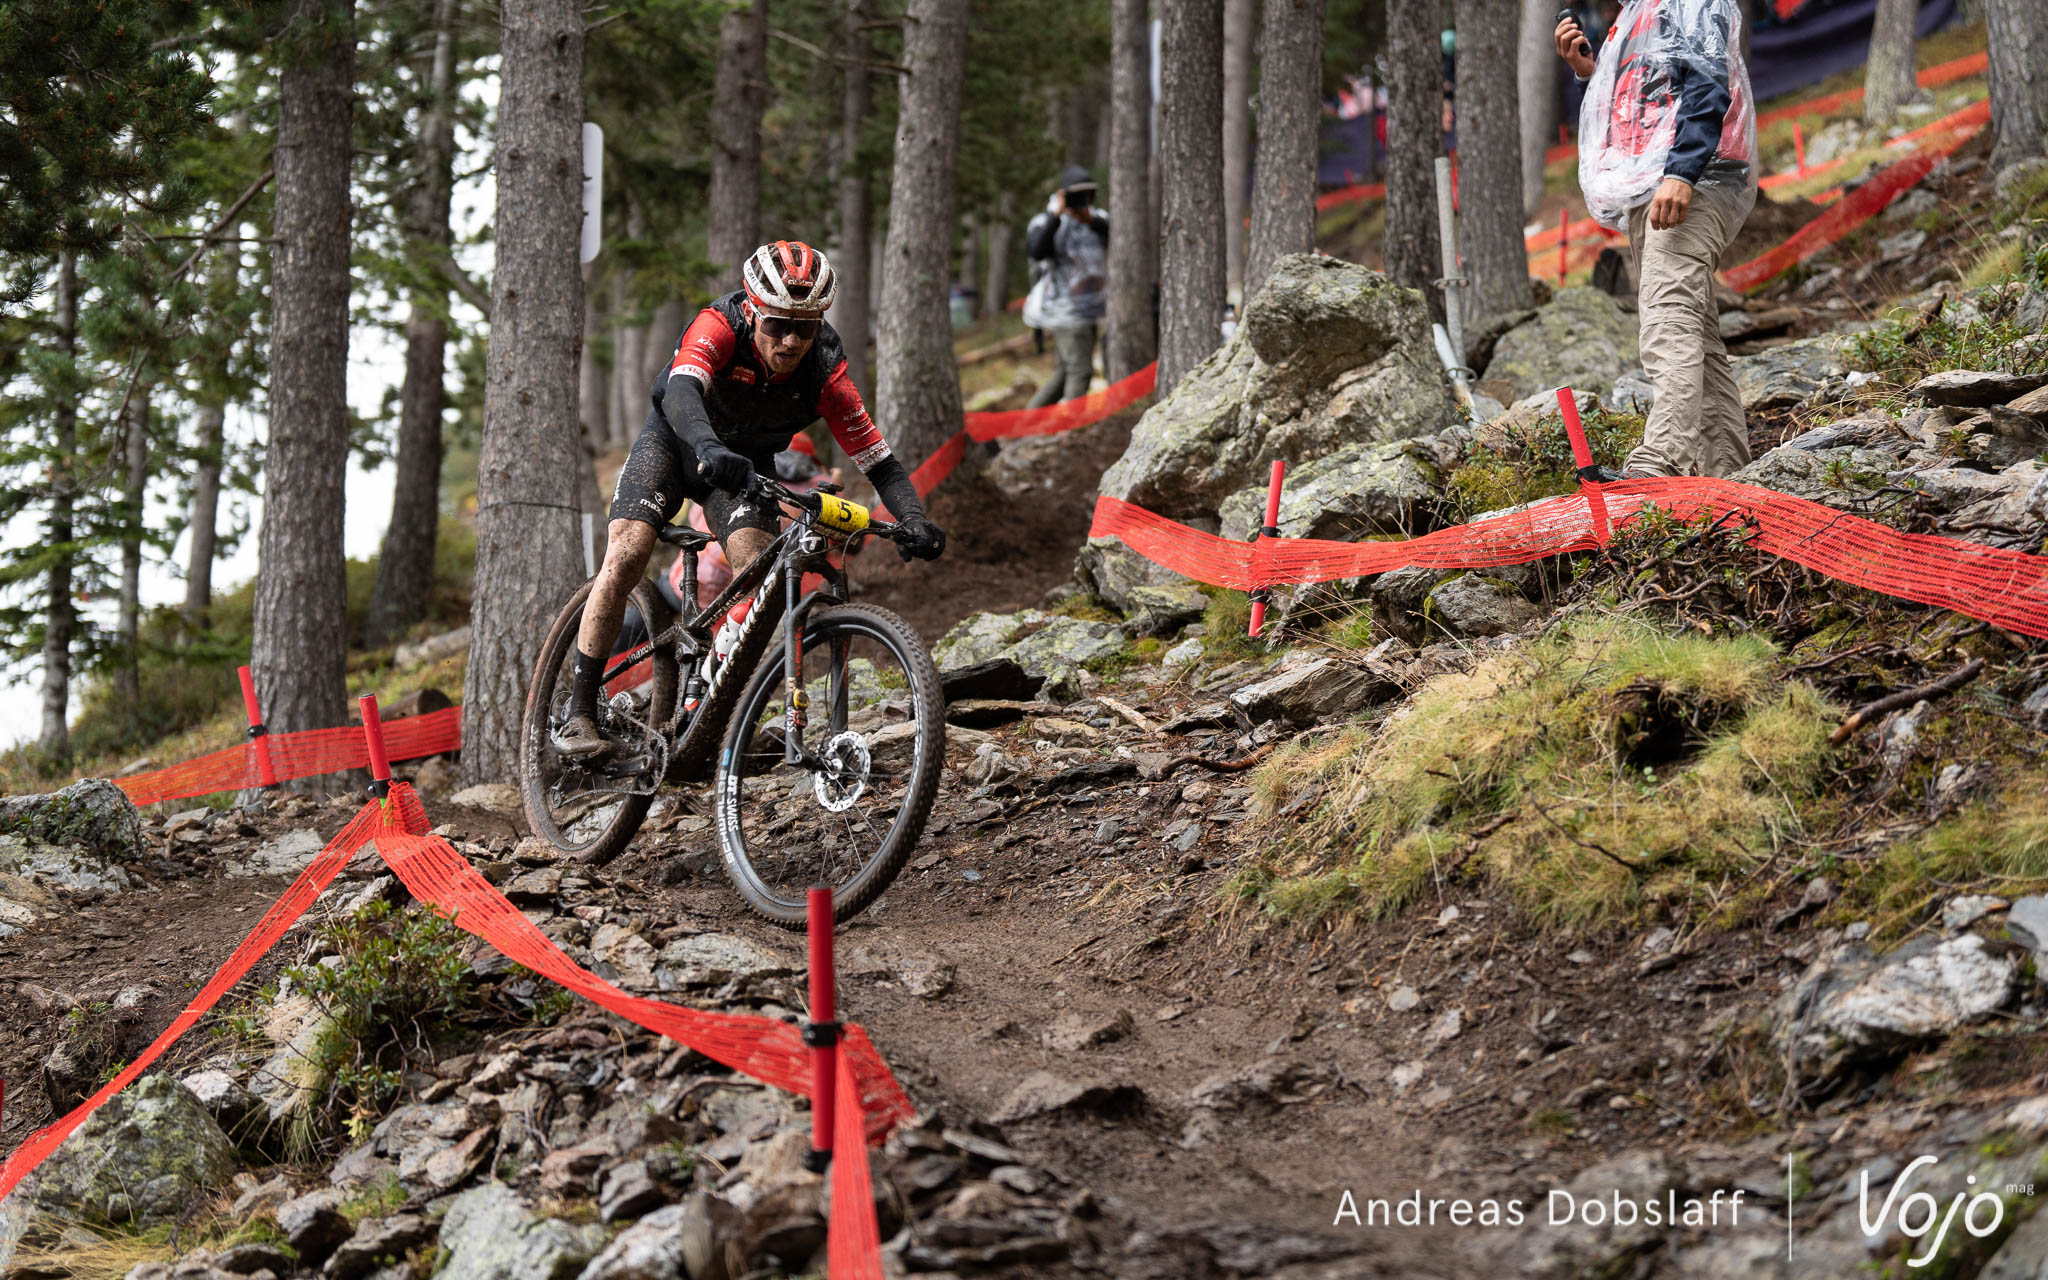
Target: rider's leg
628	546
743	544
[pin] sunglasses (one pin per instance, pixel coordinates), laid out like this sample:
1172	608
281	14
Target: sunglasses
779	327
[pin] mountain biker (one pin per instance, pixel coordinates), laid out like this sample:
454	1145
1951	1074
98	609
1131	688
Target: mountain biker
753	368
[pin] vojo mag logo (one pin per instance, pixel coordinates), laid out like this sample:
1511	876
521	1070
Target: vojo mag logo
1916	1213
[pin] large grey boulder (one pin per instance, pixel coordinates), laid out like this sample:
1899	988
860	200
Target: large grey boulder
650	1249
1582	338
1041	643
1153	599
146	1156
1312	692
490	1235
1842	477
1480	604
1791	375
92	815
1329	354
1852	1007
1359	489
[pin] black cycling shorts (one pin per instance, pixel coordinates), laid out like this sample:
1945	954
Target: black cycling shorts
661	472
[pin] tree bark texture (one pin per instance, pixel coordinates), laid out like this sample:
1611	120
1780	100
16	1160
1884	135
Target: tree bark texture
1537	61
1290	129
737	98
1240	31
134	481
529	555
209	431
593	398
62	620
1134	237
917	384
1490	158
299	642
850	307
405	566
1002	246
1888	78
1191	280
1415	138
2017	33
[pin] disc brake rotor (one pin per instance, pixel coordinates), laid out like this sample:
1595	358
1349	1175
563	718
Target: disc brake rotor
844	778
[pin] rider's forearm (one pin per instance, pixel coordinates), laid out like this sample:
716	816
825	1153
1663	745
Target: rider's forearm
892	482
683	405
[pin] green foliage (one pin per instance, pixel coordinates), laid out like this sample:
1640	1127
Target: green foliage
1225	624
1997	845
1534	460
94	112
393	977
1612	769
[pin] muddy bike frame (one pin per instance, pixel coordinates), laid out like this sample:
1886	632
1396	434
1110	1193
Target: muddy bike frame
797	549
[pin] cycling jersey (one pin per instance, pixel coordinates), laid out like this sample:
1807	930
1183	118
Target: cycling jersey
752	412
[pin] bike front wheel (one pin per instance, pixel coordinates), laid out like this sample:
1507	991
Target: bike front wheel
876	738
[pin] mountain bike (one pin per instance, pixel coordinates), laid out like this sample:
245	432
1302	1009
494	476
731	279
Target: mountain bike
825	716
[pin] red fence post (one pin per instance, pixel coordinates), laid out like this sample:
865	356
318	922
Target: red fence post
1270	529
373	734
821	1032
1582	455
266	770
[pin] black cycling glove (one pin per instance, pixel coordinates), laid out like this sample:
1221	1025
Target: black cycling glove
926	540
724	468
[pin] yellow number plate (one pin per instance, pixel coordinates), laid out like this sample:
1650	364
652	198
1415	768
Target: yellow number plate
837	513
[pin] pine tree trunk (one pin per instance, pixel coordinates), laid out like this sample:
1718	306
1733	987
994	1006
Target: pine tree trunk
1134	235
1002	244
299	646
625	423
205	514
1191	282
855	299
593	401
1490	159
1539	66
1415	138
62	620
529	555
128	612
2017	33
1290	128
737	98
1240	29
1888	77
405	566
917	383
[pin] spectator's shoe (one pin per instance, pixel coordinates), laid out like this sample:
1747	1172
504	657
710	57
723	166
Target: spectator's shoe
1602	475
580	739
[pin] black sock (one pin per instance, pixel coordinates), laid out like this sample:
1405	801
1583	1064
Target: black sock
583	690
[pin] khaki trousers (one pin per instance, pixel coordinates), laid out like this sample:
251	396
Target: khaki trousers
1696	424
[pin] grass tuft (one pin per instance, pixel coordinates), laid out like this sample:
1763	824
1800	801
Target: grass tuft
1605	770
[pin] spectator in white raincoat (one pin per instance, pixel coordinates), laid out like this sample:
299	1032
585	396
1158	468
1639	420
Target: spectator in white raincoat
1667	150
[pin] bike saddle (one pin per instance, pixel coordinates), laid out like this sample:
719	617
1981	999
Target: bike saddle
682	535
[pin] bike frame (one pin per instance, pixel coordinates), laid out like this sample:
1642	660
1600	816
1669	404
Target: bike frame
797	549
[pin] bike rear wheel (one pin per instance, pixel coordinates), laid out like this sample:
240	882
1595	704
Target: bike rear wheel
877	718
592	810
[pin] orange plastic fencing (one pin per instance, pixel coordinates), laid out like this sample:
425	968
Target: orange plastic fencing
1865	202
304	754
1009	424
870	1101
2005	588
1975	64
399	812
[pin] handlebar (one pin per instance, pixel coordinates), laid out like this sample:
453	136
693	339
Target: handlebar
774	491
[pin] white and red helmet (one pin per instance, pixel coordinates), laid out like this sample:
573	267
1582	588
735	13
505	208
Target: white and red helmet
789	278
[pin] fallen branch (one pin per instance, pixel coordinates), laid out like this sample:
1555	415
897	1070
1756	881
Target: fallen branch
1217	766
1869	711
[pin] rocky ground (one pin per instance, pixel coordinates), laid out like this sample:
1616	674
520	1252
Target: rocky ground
1160	1008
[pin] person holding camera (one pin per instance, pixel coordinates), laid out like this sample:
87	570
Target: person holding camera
1071	239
